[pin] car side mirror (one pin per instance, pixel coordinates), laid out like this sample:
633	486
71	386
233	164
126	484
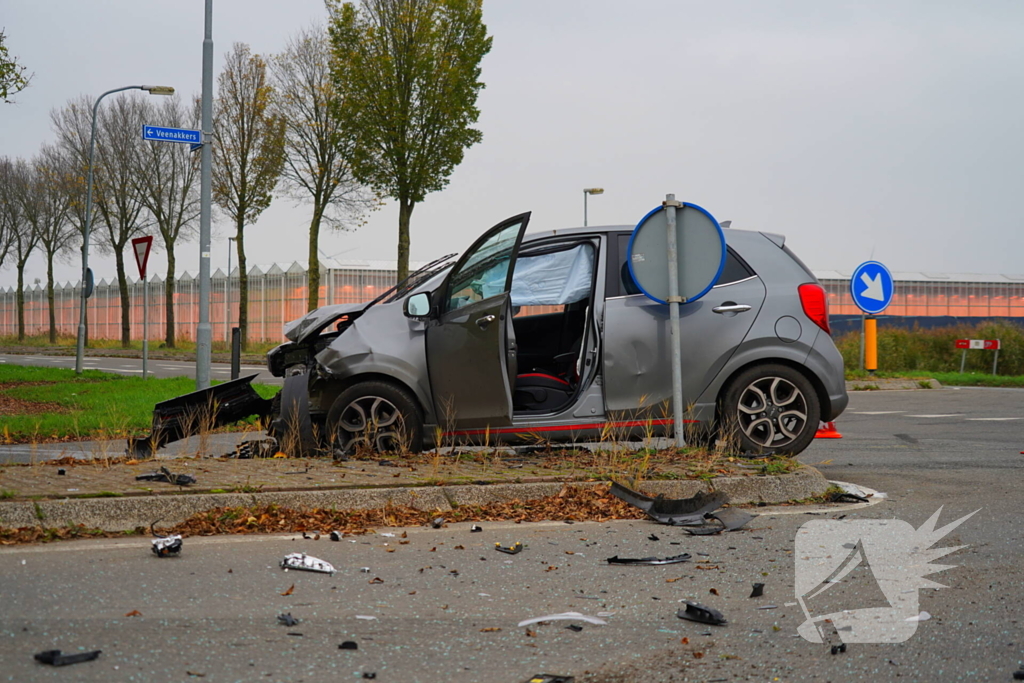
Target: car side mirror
418	305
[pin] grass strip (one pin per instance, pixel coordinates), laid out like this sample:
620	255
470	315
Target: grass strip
55	404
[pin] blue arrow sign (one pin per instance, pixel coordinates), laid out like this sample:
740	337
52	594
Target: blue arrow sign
171	134
872	287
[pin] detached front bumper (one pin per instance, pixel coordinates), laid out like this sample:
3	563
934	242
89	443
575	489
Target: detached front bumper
200	411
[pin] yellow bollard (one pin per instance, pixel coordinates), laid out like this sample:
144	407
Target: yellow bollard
870	344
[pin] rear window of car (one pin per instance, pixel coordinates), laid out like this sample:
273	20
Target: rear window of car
622	283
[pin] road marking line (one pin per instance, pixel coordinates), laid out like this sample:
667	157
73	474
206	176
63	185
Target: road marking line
947	415
993	419
877	412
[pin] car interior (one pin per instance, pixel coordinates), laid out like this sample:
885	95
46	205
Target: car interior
552	286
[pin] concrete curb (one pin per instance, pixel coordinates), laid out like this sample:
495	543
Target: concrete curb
120	514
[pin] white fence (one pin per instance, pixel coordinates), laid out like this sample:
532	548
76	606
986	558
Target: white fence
276	296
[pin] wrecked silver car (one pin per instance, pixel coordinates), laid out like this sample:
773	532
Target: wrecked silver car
547	337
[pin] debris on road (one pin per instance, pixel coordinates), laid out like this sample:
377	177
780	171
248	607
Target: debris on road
134	613
287	619
349	645
574	627
652	537
55	658
438	522
551	678
836	649
165	546
673	511
513	549
700	613
165	475
758	590
923	616
476	528
289	591
649	560
304	562
1018	675
335	536
730	519
565	616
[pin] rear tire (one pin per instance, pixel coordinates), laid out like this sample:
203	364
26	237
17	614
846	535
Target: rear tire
377	417
770	409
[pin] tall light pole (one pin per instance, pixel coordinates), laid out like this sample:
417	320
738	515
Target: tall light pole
204	333
152	90
586	192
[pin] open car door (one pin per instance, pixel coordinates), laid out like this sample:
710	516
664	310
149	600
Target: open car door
471	353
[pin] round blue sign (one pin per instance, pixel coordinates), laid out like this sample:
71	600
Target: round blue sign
872	287
700	247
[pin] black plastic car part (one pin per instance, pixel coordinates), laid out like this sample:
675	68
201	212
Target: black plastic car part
649	560
201	410
678	511
55	658
706	615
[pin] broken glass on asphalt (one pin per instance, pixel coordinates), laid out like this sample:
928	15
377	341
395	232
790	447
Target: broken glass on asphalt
304	562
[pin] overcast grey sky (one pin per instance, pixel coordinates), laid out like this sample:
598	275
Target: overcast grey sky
858	129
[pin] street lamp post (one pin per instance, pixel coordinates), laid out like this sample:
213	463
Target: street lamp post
586	192
152	90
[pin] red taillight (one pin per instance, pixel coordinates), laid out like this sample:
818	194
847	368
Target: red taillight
812	298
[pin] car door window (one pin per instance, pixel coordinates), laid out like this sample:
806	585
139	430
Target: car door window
485	272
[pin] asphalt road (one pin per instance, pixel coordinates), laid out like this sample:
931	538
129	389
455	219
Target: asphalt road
213	610
133	366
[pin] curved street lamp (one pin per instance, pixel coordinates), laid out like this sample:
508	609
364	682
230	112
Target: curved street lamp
152	90
589	191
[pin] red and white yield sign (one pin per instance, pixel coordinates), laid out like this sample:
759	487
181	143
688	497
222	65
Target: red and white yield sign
986	344
141	246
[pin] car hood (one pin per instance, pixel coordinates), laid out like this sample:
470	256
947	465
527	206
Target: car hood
314	322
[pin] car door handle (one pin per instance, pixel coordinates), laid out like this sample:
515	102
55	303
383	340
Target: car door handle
731	308
483	322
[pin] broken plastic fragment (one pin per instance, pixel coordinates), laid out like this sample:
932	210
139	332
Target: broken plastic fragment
475	528
55	658
287	619
335	536
349	645
366	617
307	563
551	678
923	616
677	512
167	546
730	519
839	648
652	537
706	615
758	590
574	627
438	523
165	475
513	549
565	616
649	560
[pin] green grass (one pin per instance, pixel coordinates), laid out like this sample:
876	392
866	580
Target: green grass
971	379
93	405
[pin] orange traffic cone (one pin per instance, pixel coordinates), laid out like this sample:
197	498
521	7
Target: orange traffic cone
827	430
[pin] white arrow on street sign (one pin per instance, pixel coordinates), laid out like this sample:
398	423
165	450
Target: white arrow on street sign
874	287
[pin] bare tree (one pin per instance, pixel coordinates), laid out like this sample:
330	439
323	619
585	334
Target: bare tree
316	167
168	186
248	154
116	196
72	125
10	209
51	203
15	180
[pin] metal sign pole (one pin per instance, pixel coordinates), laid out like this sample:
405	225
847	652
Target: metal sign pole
145	328
204	333
673	306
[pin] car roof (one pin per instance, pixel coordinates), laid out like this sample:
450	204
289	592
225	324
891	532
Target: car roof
590	230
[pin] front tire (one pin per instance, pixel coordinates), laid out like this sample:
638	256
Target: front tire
375	417
771	409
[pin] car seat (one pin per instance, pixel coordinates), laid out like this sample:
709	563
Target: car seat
540	392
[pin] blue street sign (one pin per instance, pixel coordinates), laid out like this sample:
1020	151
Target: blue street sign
170	134
872	287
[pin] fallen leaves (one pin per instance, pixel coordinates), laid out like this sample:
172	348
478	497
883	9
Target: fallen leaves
134	613
490	629
290	590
